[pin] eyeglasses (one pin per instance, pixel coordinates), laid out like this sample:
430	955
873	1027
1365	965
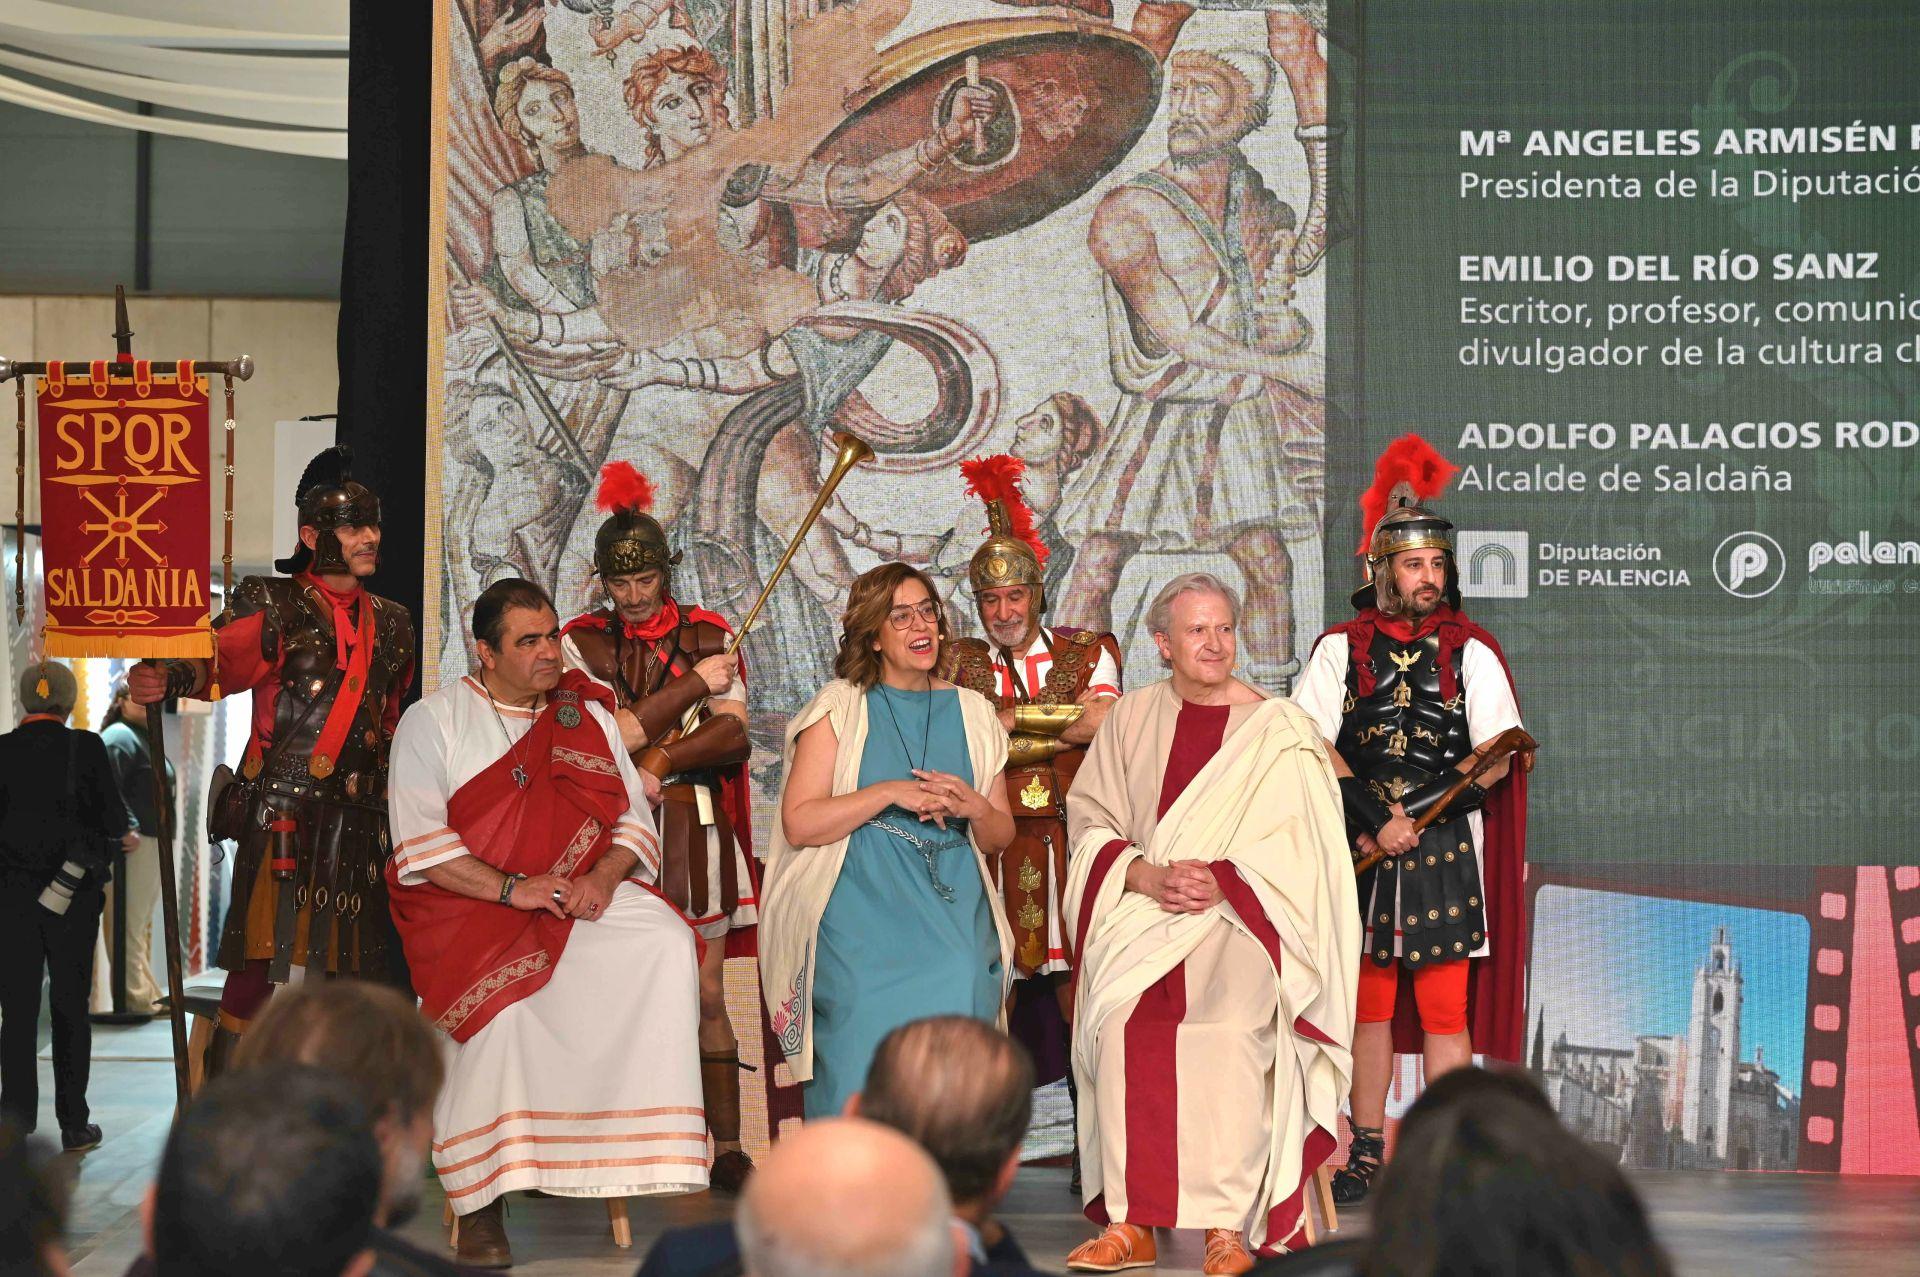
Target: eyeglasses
903	617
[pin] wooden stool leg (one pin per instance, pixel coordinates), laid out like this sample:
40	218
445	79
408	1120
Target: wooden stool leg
1323	1192
453	1228
197	1044
617	1216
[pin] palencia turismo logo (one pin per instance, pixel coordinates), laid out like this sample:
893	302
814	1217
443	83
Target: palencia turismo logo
1862	551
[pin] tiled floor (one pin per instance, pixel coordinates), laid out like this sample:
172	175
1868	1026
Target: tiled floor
1750	1225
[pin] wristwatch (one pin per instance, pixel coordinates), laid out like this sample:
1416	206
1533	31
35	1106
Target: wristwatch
507	886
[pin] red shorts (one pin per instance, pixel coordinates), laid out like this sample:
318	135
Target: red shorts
1440	993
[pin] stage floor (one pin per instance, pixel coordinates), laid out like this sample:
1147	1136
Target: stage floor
1746	1224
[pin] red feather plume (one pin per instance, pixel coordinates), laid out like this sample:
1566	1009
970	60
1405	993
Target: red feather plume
1408	459
997	478
623	488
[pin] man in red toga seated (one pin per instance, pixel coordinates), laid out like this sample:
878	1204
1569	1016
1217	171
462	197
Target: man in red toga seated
522	885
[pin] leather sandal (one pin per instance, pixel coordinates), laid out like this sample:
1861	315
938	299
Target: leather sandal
1227	1254
1120	1247
1364	1155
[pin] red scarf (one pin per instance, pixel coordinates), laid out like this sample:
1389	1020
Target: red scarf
470	958
346	634
1497	986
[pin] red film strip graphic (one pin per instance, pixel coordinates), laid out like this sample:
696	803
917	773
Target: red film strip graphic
1858	1113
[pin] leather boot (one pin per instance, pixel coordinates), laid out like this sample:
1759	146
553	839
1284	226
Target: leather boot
720	1091
483	1237
219	1057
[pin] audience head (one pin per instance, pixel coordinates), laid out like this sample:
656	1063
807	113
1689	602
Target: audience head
1484	1179
32	1209
48	687
845	1197
376	1041
894	625
963	1091
268	1170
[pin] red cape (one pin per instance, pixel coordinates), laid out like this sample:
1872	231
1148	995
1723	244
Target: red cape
1497	987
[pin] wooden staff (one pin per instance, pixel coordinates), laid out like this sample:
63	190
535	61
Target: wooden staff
169	899
1513	741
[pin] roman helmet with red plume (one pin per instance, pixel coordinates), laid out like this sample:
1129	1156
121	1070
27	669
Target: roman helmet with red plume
1013	553
631	540
1393	517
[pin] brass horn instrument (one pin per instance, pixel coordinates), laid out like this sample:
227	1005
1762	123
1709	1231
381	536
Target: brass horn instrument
848	453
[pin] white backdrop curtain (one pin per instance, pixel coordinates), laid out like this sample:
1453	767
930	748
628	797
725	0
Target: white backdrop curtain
263	75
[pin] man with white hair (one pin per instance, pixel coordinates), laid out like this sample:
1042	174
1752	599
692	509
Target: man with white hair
851	1198
1217	439
1215	912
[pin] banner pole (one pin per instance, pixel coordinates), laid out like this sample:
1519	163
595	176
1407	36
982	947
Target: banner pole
169	897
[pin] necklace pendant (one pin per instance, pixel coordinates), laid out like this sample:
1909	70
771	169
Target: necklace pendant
520	777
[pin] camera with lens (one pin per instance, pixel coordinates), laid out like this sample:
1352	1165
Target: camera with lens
73	874
67	879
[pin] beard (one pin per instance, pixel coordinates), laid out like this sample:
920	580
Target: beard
1011	636
1419	605
1190	144
1422	604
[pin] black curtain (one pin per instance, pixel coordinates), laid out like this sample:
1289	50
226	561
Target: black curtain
383	279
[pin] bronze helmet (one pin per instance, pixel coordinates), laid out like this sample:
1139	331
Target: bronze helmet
631	540
1407	526
1004	559
329	499
1013	553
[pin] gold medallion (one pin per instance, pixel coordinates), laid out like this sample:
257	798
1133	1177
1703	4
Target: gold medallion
1035	796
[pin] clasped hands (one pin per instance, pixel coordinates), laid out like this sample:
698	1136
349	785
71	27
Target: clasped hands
1185	886
938	797
584	897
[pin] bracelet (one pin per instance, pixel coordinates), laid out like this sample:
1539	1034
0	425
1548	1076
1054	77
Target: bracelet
507	886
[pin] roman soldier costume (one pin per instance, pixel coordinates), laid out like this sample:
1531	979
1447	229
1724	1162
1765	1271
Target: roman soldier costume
699	756
308	811
1405	700
1043	689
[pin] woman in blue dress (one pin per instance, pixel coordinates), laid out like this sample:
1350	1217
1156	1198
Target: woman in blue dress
878	907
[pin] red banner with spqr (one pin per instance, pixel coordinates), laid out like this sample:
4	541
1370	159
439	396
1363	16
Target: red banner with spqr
125	507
